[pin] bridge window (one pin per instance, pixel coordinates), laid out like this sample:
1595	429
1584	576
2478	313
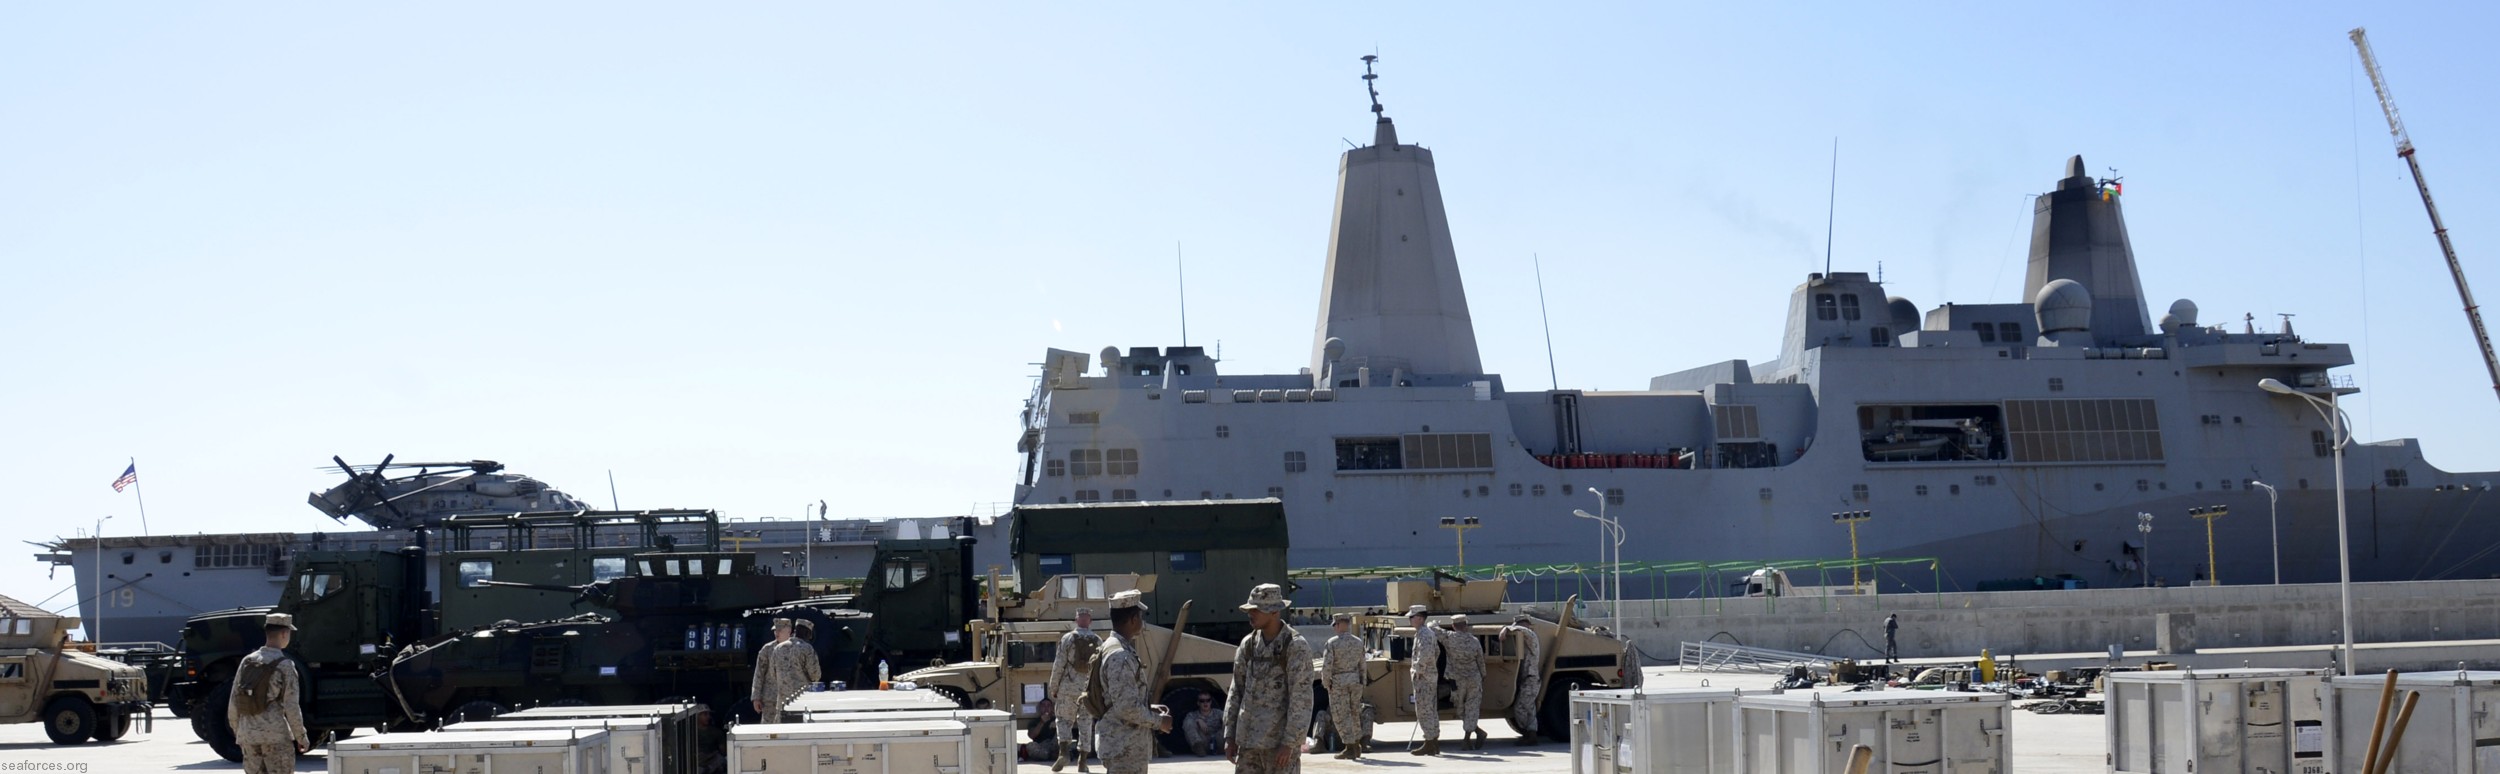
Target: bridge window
2009	333
1825	307
1882	336
1987	333
1849	306
1120	462
1054	468
2396	477
1084	463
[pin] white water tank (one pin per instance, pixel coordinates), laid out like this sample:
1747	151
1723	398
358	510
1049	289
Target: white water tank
1932	732
1654	731
2227	721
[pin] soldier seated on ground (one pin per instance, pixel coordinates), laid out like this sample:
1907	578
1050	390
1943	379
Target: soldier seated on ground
1043	733
1205	728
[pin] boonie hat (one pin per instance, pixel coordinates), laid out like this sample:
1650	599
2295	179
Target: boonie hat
279	619
1267	597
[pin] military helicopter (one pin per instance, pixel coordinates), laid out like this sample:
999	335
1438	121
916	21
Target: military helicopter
416	495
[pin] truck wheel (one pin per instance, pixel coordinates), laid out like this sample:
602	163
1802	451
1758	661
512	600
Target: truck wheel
69	720
1553	715
208	721
112	724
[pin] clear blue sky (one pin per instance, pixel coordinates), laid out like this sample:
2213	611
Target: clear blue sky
754	256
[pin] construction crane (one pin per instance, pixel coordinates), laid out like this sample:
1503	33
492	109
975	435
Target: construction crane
2404	150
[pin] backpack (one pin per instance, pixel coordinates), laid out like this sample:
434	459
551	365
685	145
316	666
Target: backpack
253	684
1084	650
1093	700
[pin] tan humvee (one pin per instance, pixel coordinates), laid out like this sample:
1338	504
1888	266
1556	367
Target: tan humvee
75	694
1575	658
1012	656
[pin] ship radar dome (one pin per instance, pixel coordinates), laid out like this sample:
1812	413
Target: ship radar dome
2063	305
2184	310
1332	350
1904	313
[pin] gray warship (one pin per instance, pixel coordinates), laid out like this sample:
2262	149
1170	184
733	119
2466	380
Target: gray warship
2007	441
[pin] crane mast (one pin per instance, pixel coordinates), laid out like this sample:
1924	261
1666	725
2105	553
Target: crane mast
2404	150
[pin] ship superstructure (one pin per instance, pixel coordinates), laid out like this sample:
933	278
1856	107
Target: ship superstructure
2009	440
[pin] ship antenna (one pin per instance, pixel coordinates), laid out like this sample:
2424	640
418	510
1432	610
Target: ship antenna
1368	78
1181	267
1830	204
1550	373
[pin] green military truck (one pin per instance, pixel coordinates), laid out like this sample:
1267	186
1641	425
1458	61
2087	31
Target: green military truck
1207	550
76	695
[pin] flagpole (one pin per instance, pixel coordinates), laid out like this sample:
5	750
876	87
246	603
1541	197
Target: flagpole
142	491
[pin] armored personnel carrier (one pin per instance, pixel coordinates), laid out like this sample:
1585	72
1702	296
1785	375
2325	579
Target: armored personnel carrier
1574	658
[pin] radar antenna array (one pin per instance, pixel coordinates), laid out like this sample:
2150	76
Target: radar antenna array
1368	78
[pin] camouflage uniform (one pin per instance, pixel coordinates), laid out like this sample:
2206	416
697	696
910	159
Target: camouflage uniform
1127	730
1343	669
1271	702
269	739
1068	673
1523	706
1205	731
1466	659
1424	673
783	668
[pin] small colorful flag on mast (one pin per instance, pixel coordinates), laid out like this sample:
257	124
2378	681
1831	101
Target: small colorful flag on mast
130	480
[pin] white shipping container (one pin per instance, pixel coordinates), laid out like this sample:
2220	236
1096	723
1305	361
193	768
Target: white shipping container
1655	731
867	747
869	701
570	751
2455	725
1912	732
993	731
670	749
633	743
2228	721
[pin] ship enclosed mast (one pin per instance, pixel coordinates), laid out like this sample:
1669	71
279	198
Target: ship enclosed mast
2404	150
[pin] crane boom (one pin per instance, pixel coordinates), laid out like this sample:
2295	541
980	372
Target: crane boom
2404	150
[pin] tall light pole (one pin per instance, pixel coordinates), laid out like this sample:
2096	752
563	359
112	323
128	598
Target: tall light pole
2275	526
2144	525
2207	514
95	631
1853	519
1461	526
2343	533
1614	529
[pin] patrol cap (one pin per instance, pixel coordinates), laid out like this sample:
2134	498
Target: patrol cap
1128	599
1417	610
781	623
1341	618
1458	620
1085	611
280	619
1267	597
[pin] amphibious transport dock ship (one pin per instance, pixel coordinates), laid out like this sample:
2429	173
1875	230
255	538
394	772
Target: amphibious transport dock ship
2010	440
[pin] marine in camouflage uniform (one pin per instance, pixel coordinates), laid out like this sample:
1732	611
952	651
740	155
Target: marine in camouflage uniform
1423	672
271	737
1271	702
1341	667
1068	673
1204	729
1523	706
1465	655
783	668
1126	729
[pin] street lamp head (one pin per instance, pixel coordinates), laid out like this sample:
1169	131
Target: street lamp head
2275	386
1583	514
1448	521
1593	490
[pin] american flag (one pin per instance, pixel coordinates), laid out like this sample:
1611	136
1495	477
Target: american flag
130	476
